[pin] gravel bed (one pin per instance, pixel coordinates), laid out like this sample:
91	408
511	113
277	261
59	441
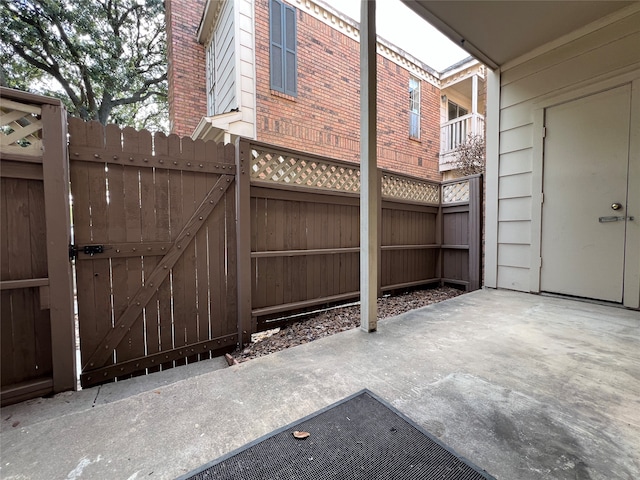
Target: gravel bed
337	320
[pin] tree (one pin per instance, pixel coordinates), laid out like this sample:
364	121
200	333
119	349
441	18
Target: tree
106	59
470	155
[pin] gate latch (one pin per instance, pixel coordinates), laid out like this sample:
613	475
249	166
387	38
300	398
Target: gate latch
90	250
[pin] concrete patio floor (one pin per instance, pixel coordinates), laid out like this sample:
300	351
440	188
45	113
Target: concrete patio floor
524	386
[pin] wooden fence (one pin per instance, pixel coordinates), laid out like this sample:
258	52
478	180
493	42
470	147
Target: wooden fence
183	249
154	225
305	228
37	325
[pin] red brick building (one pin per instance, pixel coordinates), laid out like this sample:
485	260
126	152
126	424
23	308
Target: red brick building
286	72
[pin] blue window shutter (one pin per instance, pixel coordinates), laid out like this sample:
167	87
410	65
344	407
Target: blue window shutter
290	59
276	34
283	48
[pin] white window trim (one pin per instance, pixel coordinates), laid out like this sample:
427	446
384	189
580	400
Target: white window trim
414	106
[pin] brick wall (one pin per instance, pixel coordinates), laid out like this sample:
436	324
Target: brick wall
186	69
324	117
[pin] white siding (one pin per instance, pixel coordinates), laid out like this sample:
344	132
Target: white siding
513	163
515	209
513	278
224	42
514	186
604	53
246	87
233	83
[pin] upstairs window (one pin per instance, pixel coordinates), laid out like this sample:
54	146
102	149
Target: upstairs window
456	111
414	107
211	79
282	35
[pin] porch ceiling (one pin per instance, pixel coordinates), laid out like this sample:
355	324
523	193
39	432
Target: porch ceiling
497	32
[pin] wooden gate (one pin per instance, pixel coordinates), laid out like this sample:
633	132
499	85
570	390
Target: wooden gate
155	248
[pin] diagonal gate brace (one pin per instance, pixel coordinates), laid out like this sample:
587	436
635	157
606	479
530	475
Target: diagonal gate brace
144	294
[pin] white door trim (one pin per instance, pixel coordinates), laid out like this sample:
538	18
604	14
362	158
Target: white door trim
632	259
631	293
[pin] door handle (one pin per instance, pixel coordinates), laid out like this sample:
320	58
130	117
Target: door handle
614	219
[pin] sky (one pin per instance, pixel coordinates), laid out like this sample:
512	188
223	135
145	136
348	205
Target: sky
398	24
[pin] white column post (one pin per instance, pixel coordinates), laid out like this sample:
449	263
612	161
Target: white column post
369	191
474	94
474	106
491	176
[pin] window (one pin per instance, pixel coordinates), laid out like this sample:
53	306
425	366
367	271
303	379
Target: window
414	107
284	61
458	129
211	79
456	111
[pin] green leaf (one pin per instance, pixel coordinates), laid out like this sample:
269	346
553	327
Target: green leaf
105	58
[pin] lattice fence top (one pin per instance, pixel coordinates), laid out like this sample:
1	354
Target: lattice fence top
455	192
20	128
290	170
404	188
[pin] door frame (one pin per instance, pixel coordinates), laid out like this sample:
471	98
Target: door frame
631	287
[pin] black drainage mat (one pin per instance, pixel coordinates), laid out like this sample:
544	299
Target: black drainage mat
360	437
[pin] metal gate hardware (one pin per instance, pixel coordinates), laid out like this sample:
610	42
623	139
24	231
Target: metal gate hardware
614	219
90	250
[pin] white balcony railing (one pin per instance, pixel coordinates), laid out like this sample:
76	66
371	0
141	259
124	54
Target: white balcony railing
454	132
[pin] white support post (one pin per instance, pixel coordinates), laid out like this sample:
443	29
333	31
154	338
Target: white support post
369	190
474	95
491	176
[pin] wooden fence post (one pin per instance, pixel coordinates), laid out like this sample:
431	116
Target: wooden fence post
246	324
439	239
475	232
379	187
55	171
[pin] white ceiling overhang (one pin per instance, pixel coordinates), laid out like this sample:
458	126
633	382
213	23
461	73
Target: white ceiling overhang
498	32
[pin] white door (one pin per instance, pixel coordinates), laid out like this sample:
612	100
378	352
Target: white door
585	191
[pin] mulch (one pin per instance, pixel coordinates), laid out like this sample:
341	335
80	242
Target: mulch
335	320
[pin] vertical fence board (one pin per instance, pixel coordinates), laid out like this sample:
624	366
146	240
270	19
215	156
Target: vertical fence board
233	320
217	255
202	185
164	233
149	210
222	251
303	244
7	344
475	233
100	271
39	269
178	218
6	319
117	232
79	177
133	344
244	263
277	223
55	174
189	256
22	301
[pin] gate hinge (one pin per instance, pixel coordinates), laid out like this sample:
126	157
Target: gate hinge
90	250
